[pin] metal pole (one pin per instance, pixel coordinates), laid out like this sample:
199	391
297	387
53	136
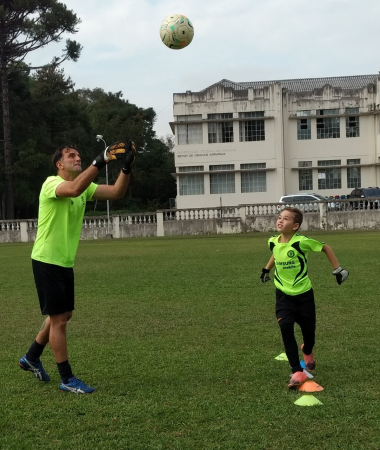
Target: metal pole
108	204
99	137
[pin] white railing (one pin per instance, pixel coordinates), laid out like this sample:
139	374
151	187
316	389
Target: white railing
96	222
309	207
259	210
201	213
138	218
32	224
9	225
331	214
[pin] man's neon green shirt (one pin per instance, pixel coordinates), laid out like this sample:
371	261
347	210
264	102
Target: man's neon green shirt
291	272
59	224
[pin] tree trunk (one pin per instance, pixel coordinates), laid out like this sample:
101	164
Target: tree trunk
8	164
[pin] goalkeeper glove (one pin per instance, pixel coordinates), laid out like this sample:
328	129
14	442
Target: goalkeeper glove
114	151
340	274
129	158
264	275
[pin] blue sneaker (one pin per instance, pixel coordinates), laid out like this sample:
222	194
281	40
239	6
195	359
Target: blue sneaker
77	386
35	367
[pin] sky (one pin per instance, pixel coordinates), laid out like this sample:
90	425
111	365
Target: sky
240	40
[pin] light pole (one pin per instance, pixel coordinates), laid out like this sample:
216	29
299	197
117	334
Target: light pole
99	137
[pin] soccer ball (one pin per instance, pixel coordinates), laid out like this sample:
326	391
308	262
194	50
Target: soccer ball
176	31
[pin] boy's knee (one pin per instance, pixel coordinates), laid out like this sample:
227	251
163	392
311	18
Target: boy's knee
286	327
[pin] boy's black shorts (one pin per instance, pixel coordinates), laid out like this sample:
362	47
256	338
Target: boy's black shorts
293	308
55	287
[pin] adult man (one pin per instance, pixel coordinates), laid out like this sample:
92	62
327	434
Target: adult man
62	204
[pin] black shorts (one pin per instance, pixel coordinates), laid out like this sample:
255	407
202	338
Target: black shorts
295	308
55	287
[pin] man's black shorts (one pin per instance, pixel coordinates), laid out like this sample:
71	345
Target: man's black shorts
55	287
293	308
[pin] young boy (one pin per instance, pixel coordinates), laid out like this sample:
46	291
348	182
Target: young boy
294	293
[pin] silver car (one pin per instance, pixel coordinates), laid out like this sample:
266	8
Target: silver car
304	202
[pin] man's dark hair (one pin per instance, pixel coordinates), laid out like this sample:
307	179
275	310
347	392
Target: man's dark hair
58	153
298	216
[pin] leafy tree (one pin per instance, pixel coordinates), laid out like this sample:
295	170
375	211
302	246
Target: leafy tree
26	26
154	184
115	118
51	115
47	112
58	113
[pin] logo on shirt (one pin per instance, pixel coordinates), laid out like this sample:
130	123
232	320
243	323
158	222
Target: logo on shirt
83	202
286	264
291	253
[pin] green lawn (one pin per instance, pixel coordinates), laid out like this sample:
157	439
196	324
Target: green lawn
179	338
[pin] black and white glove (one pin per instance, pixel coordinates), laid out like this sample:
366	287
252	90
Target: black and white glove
340	275
129	158
111	153
264	275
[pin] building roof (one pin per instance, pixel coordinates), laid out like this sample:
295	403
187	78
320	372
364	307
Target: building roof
306	84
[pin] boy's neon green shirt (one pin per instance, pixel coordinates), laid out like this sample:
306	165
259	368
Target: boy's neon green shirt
59	224
291	271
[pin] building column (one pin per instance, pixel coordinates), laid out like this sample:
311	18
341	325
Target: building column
24	231
116	227
160	223
323	216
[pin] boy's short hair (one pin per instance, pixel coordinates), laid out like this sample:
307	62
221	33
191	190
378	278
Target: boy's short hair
58	153
298	216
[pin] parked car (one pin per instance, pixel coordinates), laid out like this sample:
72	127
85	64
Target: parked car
305	202
371	194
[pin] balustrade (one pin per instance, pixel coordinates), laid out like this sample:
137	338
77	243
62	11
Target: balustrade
25	230
138	218
8	225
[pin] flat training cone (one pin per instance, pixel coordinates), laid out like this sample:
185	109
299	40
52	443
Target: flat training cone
307	400
310	386
282	357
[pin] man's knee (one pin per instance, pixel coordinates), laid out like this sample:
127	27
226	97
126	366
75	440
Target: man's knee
58	320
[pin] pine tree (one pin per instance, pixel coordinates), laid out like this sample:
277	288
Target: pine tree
26	26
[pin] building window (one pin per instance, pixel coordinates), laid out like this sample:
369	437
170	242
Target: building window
255	181
352	122
191	169
303	126
252	130
328	127
305	176
354	176
222	183
192	184
329	177
190	133
220	131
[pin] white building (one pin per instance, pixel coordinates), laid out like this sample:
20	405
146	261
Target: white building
252	142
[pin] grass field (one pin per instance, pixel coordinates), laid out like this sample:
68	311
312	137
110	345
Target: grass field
179	338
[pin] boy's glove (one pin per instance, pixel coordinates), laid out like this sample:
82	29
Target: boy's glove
129	158
340	274
114	151
264	275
